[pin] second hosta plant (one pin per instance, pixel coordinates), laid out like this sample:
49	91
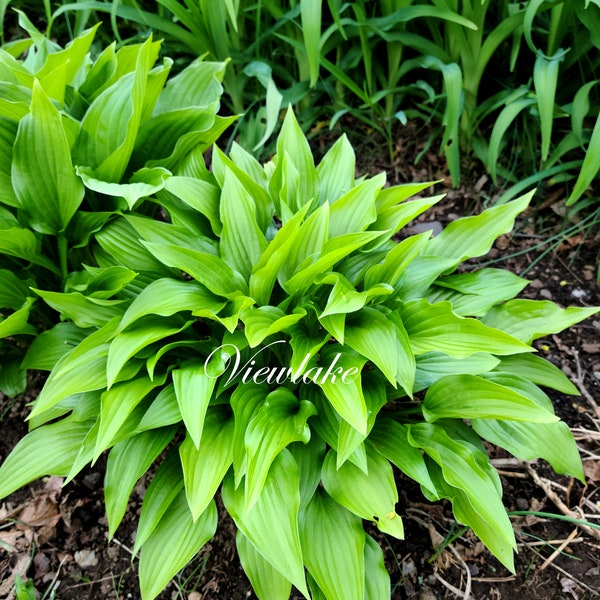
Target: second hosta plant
280	348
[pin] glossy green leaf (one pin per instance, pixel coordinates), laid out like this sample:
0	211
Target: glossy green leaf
16	323
434	327
162	491
264	321
333	542
127	462
371	496
163	411
205	466
49	346
528	320
336	171
469	396
377	578
281	420
271	525
47	450
267	582
160	559
42	172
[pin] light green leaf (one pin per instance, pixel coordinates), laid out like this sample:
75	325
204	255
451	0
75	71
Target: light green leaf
271	525
144	182
528	320
281	420
267	582
333	542
434	327
355	210
371	496
205	465
160	559
16	323
264	321
117	404
193	388
336	171
242	241
42	172
473	236
164	488
163	411
167	296
47	450
472	397
377	578
209	270
127	462
22	243
471	487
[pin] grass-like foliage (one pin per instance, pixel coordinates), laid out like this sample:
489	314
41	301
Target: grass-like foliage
80	141
275	345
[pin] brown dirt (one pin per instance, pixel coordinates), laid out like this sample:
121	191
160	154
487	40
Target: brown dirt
59	536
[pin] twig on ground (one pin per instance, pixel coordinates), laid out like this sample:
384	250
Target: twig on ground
558	550
579	381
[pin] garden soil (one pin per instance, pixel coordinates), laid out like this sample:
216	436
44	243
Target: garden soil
57	536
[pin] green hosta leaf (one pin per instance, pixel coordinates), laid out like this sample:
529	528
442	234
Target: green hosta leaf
200	195
121	241
245	401
165	486
396	261
434	327
209	270
280	421
42	172
371	496
22	243
117	404
345	299
528	320
82	369
333	543
205	466
374	336
432	366
271	525
267	582
473	236
266	320
391	439
309	458
194	389
127	344
199	84
242	242
551	441
276	255
377	578
127	462
471	397
345	396
292	147
163	411
474	494
537	370
101	282
142	183
13	378
333	251
47	450
166	296
336	171
355	210
48	347
84	311
305	341
109	127
16	324
160	559
474	294
8	133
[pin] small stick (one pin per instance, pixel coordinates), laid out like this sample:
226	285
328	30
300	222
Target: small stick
565	543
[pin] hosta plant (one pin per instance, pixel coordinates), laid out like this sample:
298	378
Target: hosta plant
280	348
83	138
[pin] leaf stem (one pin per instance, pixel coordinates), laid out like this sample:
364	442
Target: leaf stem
62	256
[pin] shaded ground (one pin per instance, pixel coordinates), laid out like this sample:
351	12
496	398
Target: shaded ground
57	537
